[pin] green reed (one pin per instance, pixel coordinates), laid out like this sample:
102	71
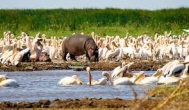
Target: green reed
109	21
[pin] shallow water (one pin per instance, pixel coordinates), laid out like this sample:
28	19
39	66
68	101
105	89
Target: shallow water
37	85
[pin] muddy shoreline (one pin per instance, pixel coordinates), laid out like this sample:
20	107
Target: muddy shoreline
79	103
139	65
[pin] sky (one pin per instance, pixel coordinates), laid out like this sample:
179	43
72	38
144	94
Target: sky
68	4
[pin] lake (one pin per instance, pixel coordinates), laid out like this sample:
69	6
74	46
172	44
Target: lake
37	85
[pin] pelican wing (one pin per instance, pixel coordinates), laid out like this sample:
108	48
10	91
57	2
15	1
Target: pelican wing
122	81
124	68
101	81
119	70
149	80
115	71
166	69
175	70
66	81
168	80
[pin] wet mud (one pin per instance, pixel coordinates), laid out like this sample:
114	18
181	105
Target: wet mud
139	65
78	103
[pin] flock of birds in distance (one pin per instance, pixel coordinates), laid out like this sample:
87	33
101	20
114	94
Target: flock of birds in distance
14	50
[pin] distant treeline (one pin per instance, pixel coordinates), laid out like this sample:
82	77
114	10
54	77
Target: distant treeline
108	21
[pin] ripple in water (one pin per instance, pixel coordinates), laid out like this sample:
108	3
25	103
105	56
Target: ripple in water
37	85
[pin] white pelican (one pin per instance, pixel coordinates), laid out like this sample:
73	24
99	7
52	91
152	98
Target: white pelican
5	82
112	53
172	68
122	80
126	51
169	64
6	56
16	58
9	83
169	80
185	74
142	79
50	47
101	81
186	59
121	70
175	70
73	80
175	80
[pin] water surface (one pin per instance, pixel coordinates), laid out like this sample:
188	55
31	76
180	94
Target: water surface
37	85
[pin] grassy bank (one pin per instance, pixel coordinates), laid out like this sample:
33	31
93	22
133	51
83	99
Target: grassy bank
63	22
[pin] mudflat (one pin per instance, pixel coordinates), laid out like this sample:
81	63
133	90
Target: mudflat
143	65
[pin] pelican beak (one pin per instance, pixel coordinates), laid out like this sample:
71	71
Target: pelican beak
139	77
114	44
1	79
158	73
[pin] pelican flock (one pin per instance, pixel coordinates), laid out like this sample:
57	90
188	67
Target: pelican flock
175	48
14	50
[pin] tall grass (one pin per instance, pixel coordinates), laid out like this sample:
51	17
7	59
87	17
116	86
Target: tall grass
59	22
167	97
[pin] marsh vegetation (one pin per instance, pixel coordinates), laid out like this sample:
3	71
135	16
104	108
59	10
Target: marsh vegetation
104	22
